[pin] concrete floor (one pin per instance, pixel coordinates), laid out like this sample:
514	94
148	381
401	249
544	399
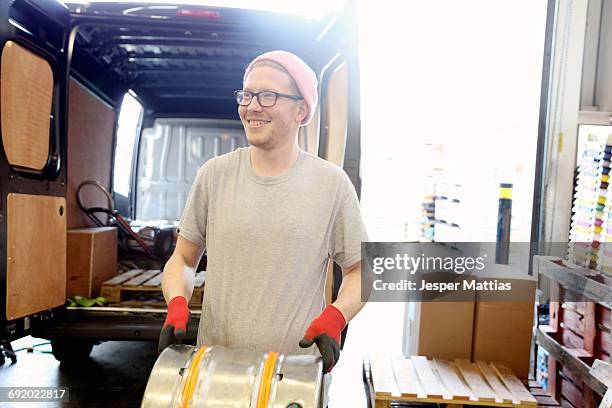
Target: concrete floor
117	372
115	375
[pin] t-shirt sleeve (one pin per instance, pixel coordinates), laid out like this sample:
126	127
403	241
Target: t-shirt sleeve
192	225
348	230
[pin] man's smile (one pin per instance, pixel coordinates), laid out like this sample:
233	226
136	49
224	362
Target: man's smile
257	123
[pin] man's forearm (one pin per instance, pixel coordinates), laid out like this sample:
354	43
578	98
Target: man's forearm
178	279
349	297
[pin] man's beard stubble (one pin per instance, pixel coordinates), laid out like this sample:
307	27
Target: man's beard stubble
272	139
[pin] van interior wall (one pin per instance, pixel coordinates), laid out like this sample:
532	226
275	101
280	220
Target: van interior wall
91	127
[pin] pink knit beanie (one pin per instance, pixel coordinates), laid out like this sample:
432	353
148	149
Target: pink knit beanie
304	77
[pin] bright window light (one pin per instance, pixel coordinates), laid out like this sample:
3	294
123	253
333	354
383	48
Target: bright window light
129	121
465	75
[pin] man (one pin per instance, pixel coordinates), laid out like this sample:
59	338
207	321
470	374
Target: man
270	216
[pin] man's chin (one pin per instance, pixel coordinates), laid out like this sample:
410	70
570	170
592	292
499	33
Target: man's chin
261	142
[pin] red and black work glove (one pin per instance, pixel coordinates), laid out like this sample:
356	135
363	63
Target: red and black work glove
325	331
175	326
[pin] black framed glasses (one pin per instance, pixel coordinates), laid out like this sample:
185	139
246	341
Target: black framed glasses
264	98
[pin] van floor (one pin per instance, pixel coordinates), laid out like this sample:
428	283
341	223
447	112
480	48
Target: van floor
115	375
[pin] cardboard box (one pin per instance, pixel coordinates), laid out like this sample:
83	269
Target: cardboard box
440	330
91	259
503	331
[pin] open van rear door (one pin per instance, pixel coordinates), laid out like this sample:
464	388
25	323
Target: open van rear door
339	124
33	99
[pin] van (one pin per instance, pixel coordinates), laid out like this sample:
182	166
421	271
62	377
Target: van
107	110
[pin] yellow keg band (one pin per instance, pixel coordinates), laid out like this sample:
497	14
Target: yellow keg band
266	380
505	192
192	376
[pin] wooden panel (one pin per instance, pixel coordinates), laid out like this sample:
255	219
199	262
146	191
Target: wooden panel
603	336
603	323
142	278
601	355
553	388
154	281
572	376
407	379
383	378
91	127
515	386
590	331
450	378
578	307
36	254
606	402
566	404
495	383
26	89
573	321
546	401
433	388
570	339
124	277
604	316
92	259
337	109
554	306
472	377
602	371
570	392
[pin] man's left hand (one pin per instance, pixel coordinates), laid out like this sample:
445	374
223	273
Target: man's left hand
325	331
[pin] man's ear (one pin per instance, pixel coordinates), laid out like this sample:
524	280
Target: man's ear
302	112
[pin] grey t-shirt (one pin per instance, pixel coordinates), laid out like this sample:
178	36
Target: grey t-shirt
268	240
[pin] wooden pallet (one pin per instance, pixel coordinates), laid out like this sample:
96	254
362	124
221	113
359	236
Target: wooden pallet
123	288
458	383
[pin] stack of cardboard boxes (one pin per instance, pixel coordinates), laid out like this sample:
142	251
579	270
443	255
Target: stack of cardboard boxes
477	330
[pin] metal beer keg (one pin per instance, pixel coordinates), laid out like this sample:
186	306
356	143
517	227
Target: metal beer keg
185	376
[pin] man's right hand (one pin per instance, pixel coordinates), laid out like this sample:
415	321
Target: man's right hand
175	326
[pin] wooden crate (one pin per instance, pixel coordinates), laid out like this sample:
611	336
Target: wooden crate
603	333
146	283
91	259
456	383
574	327
544	399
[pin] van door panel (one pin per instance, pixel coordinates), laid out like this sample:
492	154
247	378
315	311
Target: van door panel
26	88
336	107
36	254
33	100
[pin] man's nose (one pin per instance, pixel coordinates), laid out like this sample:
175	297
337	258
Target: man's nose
254	105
